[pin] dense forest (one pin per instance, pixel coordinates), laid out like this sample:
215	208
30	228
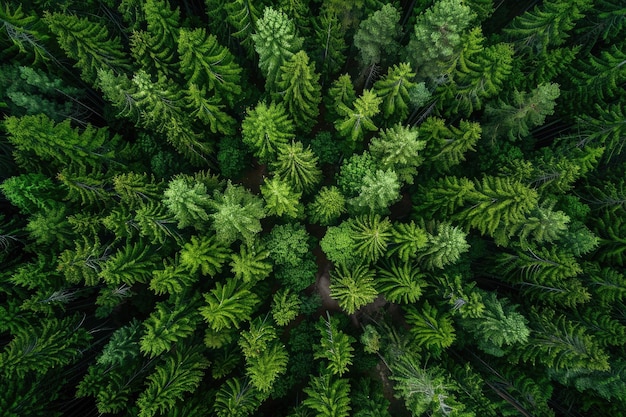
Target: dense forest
301	208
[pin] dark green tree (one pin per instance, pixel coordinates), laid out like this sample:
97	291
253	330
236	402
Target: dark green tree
265	128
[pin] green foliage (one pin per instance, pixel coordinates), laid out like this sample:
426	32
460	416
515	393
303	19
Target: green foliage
327	396
400	283
59	143
276	42
431	327
370	235
236	398
377	36
338	244
169	325
88	43
181	372
281	200
358	116
237	214
252	263
335	346
328	206
205	62
328	42
37	349
378	191
265	129
25	32
437	37
285	306
395	90
406	240
297	166
443	248
352	171
561	344
155	49
288	244
30	192
228	305
205	254
397	148
299	88
515	117
133	263
353	287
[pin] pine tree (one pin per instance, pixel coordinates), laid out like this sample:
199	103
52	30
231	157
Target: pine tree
181	372
59	143
51	343
132	263
358	118
276	42
329	43
446	146
187	201
298	87
208	110
265	128
560	344
155	49
205	254
546	25
444	248
243	15
51	228
237	214
236	398
172	279
206	63
88	43
280	199
514	119
328	206
340	95
297	166
370	235
353	287
168	325
401	283
251	264
395	90
397	148
26	33
406	240
285	306
327	396
432	55
378	192
228	305
377	36
31	192
335	346
431	327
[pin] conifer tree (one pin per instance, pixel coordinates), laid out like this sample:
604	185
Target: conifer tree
340	95
431	56
443	248
379	190
265	128
397	148
395	89
206	63
299	88
297	166
280	199
446	146
276	42
328	206
188	202
155	49
252	263
25	32
431	327
168	325
181	372
132	263
358	117
401	283
327	396
237	214
370	235
285	306
353	287
406	240
377	36
204	254
335	346
88	43
228	305
514	119
329	43
242	15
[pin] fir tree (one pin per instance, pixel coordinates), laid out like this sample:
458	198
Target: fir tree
265	128
88	43
228	305
400	283
397	148
327	396
395	89
358	118
298	87
276	42
281	200
297	166
335	346
329	42
377	36
353	288
328	206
